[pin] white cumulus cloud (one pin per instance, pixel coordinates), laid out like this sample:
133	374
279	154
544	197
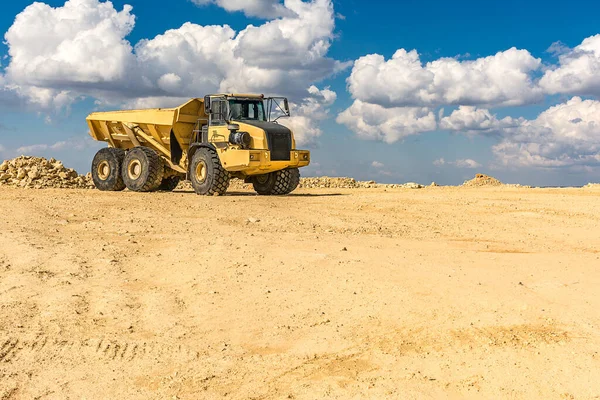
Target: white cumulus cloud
307	115
466	163
58	54
253	8
503	79
473	120
75	143
578	71
372	121
565	135
78	45
460	163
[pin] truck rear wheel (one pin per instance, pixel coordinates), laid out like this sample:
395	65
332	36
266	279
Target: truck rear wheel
142	169
207	175
106	169
277	183
169	184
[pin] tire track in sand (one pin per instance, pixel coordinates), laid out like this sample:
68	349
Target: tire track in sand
15	348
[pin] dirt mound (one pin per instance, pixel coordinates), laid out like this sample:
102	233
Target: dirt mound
40	173
482	180
592	186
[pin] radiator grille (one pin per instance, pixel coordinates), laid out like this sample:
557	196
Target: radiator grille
280	144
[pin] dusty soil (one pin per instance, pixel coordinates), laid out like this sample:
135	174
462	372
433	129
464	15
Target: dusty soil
329	293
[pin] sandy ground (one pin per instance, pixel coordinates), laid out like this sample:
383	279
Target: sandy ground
342	294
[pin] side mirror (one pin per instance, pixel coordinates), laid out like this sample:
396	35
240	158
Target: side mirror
233	127
207	105
286	107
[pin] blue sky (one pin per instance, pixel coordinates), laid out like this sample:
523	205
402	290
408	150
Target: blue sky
541	128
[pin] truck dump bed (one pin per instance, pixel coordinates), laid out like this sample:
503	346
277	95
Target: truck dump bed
167	130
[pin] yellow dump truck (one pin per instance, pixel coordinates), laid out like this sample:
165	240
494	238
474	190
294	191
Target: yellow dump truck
206	140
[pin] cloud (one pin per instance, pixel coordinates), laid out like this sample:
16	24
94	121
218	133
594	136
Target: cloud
252	8
461	163
75	143
79	46
8	96
503	79
472	120
578	70
307	115
372	121
466	163
377	164
58	54
565	135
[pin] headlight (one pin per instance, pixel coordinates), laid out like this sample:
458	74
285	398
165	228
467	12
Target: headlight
240	138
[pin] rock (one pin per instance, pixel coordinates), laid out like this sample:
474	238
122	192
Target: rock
21	173
4	177
4	166
253	220
434	184
33	173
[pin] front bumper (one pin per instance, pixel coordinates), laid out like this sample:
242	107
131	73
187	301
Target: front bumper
257	162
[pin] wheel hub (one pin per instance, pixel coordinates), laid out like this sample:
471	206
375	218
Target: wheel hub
134	169
262	179
201	172
103	170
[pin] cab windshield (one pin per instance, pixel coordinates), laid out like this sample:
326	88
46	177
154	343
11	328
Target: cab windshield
247	110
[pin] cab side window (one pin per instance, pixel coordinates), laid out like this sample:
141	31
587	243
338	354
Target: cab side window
218	113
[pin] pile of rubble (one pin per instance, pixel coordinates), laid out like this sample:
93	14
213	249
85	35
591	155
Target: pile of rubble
350	183
482	180
337	183
320	183
592	186
40	173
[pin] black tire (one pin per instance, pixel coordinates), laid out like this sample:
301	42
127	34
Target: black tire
207	175
106	169
277	183
169	184
142	169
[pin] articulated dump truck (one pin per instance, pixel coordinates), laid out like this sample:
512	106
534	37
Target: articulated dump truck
206	140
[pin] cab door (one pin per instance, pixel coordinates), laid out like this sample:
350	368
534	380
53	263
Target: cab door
217	122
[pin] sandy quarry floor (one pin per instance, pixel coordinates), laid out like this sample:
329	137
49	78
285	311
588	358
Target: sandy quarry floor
342	294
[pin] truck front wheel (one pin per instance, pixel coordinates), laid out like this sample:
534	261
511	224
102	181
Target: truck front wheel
278	182
207	175
106	169
142	169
